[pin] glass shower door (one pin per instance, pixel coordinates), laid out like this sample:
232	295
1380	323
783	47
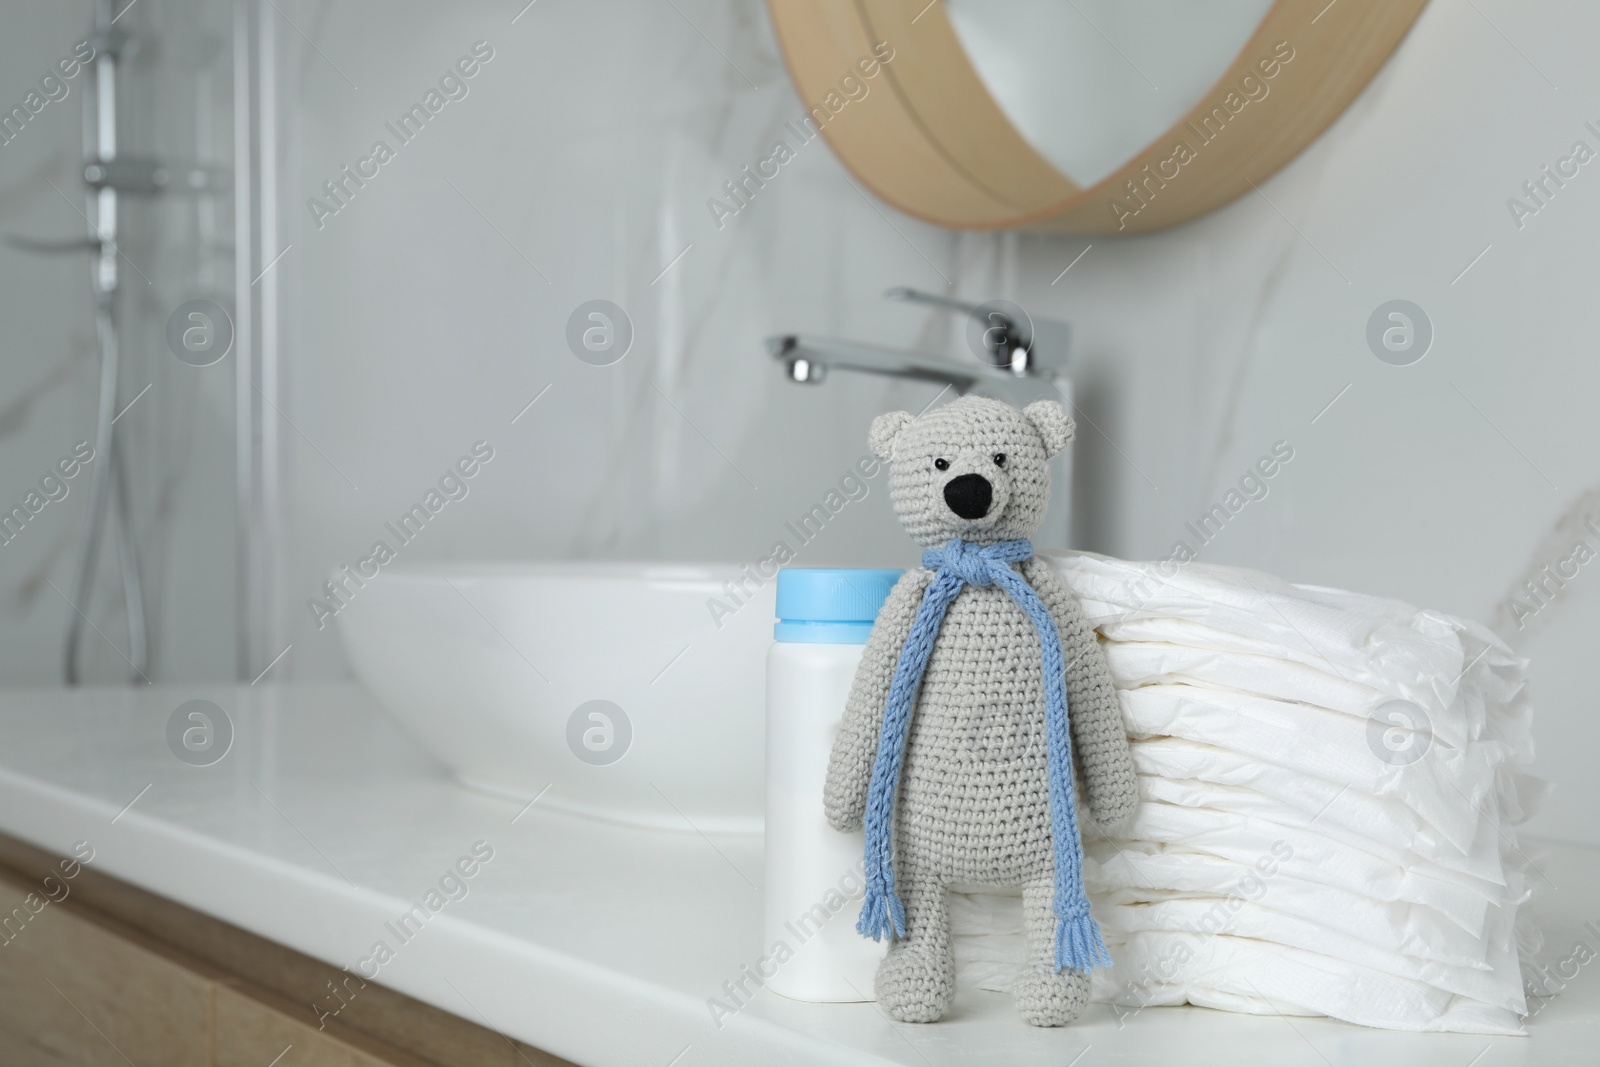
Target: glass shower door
119	537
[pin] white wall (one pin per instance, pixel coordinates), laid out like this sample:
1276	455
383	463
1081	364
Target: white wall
1441	483
433	306
425	325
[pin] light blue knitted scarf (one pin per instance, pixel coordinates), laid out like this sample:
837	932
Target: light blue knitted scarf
1078	943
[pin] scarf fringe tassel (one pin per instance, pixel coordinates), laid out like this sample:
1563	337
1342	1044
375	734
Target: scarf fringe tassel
1079	946
882	915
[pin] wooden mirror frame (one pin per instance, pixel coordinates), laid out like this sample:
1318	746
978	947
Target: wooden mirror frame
928	137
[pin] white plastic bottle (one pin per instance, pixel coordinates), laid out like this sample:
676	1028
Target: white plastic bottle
814	878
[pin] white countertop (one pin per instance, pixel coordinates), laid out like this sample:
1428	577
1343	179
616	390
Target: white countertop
599	943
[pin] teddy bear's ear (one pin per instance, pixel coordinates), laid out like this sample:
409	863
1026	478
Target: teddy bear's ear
1055	426
885	429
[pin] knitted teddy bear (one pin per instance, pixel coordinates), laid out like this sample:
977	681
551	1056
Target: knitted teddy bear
978	668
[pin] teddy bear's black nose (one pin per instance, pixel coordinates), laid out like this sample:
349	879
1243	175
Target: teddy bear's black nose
969	495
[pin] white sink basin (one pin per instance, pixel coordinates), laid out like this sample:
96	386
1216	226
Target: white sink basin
513	675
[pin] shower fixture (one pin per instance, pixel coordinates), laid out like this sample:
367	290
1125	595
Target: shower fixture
109	176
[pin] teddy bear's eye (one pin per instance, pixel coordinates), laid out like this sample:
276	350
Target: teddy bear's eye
941	464
999	459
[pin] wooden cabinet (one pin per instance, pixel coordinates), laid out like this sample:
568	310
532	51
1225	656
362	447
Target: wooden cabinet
96	972
72	992
253	1033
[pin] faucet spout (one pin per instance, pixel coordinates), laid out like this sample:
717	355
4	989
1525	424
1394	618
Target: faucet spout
1019	360
808	360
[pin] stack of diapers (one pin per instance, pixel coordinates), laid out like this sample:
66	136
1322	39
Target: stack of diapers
1330	786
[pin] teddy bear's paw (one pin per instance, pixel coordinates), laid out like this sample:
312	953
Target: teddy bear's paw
1048	998
915	984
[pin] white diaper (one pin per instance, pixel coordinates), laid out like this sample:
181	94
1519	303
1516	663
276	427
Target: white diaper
1292	853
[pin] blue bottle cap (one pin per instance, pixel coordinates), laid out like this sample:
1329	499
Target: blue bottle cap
830	605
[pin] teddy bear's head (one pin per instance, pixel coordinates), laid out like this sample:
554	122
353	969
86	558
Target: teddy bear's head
977	469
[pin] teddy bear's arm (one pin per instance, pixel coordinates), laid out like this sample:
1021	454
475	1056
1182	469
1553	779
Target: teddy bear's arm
856	745
1099	737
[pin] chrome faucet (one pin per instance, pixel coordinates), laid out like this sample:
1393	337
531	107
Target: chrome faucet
1018	359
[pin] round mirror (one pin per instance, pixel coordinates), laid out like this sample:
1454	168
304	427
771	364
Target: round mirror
1083	116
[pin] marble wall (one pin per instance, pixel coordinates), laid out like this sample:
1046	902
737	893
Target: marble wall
580	164
1451	482
429	306
434	302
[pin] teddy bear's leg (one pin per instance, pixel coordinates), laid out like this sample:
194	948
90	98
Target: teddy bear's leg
1046	997
918	976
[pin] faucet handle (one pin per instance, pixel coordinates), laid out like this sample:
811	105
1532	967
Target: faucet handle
917	296
1002	334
